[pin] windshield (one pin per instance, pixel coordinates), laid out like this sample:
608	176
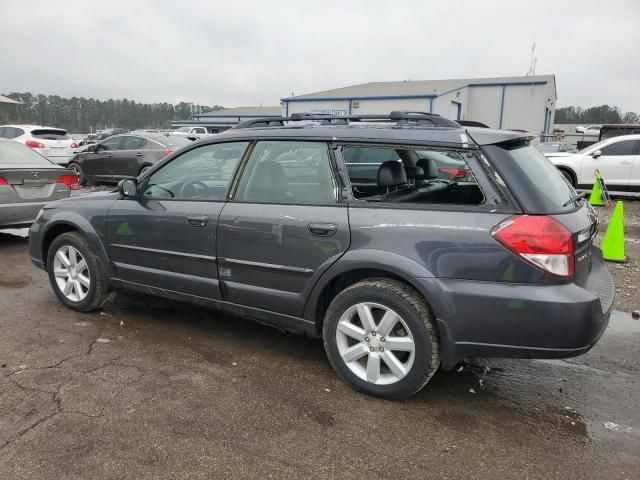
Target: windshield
16	153
534	180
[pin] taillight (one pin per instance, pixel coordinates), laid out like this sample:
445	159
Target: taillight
71	181
541	241
3	181
33	144
167	152
456	173
74	145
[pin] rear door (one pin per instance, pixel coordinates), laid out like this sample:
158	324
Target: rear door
100	163
614	164
283	228
166	238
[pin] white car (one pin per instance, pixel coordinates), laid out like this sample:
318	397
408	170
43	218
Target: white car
54	143
617	159
590	130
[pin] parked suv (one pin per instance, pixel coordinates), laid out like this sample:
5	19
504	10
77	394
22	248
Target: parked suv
399	274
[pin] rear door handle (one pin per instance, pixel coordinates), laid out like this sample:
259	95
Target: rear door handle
625	163
139	154
323	229
197	221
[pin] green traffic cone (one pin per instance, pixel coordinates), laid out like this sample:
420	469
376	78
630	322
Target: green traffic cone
596	195
613	241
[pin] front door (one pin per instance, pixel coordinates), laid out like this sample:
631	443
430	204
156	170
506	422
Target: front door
166	238
129	160
98	164
614	163
283	228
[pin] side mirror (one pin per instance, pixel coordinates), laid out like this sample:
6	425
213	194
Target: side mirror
596	154
128	188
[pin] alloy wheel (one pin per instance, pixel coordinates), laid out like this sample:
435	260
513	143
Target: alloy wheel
375	343
71	273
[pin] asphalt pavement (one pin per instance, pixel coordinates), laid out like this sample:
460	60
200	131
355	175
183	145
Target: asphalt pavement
150	388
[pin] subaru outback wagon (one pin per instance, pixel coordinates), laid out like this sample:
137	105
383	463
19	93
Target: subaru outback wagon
405	241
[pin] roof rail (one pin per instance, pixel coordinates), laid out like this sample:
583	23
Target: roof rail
397	117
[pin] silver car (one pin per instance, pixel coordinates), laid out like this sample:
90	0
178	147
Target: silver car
28	181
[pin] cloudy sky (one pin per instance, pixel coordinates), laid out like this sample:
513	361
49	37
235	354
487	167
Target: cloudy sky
251	52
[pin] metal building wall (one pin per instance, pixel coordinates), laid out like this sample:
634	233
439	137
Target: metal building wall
374	106
335	107
524	107
483	105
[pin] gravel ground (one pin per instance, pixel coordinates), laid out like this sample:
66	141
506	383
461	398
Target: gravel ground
626	275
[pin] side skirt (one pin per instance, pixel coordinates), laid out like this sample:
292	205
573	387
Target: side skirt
266	317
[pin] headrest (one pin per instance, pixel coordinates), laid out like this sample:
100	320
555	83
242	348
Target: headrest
429	168
414	171
391	174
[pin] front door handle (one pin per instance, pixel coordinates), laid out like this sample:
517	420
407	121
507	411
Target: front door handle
323	229
139	154
198	221
625	162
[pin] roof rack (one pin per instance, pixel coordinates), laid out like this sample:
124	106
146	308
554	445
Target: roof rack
397	117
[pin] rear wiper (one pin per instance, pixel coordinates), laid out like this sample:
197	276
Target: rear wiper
575	198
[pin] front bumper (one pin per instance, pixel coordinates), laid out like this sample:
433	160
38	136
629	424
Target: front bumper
487	319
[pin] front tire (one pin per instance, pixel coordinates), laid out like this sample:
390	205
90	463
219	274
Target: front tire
381	338
76	273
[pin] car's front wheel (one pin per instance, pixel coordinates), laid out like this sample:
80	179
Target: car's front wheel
76	274
78	172
381	338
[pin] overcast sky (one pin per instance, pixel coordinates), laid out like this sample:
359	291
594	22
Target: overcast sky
250	52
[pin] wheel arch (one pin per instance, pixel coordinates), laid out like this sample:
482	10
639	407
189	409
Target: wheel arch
570	171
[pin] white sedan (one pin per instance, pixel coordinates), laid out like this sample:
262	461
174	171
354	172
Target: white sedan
54	143
617	159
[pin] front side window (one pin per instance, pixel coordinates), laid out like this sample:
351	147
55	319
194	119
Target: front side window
410	175
203	173
289	173
627	147
110	144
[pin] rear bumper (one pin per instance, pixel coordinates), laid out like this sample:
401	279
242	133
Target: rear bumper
14	215
487	319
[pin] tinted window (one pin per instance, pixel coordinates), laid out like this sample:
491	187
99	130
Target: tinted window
50	134
200	130
172	141
363	163
626	147
203	173
288	172
133	143
112	143
536	182
13	152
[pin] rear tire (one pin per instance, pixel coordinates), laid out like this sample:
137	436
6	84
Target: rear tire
569	177
77	169
394	351
76	273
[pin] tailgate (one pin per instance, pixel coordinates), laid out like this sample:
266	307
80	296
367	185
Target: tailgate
583	224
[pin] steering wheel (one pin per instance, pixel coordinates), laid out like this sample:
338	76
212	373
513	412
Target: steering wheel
188	189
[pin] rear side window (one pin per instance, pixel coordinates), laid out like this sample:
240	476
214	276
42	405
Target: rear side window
288	173
133	143
13	152
533	179
50	134
410	175
627	147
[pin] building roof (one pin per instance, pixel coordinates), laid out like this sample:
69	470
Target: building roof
4	99
244	112
422	88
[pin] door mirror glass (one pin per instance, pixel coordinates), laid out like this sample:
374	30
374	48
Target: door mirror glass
596	154
128	187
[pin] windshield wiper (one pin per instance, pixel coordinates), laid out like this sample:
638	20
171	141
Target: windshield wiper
575	198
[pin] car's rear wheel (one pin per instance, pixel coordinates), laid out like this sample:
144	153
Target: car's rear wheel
381	338
77	170
76	274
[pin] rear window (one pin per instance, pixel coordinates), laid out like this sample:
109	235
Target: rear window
13	152
173	141
50	134
532	179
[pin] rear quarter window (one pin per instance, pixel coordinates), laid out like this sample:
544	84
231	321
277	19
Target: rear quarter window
532	179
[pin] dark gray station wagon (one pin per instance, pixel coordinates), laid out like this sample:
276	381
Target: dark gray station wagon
406	241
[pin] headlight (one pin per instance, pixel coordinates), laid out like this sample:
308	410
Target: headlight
39	214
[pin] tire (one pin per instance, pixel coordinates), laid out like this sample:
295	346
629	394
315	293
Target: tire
568	176
77	169
415	321
97	292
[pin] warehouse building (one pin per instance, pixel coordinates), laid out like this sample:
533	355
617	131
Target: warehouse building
519	103
220	120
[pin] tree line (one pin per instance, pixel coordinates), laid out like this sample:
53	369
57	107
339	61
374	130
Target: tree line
81	115
597	115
